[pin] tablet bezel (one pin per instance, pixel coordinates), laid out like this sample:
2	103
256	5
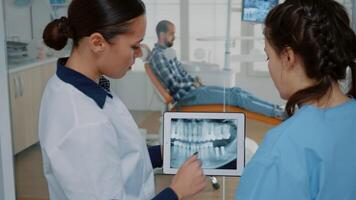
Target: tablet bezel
241	123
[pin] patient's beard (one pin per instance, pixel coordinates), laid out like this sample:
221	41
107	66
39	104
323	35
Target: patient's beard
169	44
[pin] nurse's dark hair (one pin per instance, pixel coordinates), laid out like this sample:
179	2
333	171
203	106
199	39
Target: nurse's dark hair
85	17
319	32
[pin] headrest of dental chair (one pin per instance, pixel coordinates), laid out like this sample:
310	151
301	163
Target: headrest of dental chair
146	52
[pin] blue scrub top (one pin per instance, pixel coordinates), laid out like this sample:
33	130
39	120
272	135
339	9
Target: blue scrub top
312	155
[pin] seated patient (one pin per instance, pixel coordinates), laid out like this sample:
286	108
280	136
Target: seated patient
188	90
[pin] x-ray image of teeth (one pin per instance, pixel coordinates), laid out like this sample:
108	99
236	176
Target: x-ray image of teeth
214	139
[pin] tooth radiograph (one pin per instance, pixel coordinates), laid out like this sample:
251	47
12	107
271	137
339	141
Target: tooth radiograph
214	139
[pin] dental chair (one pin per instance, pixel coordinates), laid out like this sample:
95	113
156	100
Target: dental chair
170	104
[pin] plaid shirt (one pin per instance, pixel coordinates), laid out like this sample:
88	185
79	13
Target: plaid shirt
171	73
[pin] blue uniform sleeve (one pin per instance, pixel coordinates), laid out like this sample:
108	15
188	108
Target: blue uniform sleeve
156	160
166	194
267	179
155	156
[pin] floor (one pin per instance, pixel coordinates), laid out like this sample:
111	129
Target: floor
31	184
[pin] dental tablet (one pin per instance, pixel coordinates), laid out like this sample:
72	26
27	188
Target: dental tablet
219	139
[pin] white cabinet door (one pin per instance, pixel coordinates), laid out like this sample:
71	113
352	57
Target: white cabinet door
26	88
21	111
34	87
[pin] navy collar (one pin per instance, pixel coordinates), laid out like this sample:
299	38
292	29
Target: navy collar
82	83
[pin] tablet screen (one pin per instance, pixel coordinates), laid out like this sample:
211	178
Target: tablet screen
217	137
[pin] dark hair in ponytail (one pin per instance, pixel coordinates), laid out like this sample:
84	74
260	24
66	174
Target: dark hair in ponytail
85	17
319	32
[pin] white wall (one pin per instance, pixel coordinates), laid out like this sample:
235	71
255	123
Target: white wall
18	19
7	186
41	16
136	91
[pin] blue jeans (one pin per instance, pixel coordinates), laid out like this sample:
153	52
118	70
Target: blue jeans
235	96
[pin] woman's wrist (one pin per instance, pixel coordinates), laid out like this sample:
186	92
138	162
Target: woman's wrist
175	190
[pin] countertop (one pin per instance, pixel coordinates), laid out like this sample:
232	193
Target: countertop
28	63
13	68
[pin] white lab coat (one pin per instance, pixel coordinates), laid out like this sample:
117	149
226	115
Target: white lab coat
89	152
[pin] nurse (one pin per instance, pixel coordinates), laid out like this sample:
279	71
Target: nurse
91	146
310	156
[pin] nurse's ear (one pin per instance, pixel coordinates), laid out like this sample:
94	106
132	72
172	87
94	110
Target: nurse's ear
288	58
97	43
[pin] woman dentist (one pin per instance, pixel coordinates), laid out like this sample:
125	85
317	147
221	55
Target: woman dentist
91	146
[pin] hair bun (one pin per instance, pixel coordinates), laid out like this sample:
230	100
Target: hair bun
57	32
64	19
64	27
